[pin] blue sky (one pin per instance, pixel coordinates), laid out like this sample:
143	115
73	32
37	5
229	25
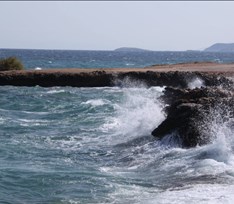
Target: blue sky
103	25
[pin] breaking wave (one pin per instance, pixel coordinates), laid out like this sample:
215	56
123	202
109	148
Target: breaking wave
91	145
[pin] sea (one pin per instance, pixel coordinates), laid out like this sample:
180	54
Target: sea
68	145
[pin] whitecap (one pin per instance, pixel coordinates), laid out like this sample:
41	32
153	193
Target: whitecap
55	91
129	64
96	102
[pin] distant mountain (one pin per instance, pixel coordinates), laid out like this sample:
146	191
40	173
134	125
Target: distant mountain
130	49
221	47
193	50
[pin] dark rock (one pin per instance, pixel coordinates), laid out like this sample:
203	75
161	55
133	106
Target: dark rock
49	78
172	94
188	112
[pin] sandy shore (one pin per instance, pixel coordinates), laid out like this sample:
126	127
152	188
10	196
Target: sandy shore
187	67
183	67
196	67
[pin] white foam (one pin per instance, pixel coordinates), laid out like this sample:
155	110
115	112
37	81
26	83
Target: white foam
38	68
201	193
198	175
196	83
54	91
217	157
222	133
137	114
96	102
32	122
2	120
129	64
128	82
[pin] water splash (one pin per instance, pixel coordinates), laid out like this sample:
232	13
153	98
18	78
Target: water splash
136	114
128	82
220	123
196	83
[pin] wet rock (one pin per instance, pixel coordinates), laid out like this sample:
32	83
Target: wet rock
56	78
188	112
79	78
174	78
172	94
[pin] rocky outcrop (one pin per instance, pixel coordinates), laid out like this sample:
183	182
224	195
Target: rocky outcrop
174	78
50	79
190	112
187	110
99	78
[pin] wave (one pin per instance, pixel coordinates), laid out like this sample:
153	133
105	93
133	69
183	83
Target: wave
103	136
96	102
135	115
206	194
55	91
152	171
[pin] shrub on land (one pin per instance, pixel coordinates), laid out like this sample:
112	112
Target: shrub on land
10	63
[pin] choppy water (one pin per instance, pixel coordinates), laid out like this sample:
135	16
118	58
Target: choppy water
94	145
107	59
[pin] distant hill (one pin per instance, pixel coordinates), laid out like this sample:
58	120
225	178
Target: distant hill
130	49
221	47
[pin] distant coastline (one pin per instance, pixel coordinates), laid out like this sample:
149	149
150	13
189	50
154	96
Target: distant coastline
217	47
221	47
131	49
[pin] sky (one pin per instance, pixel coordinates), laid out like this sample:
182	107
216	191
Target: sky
107	25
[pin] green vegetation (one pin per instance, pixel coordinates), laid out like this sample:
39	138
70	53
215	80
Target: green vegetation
10	63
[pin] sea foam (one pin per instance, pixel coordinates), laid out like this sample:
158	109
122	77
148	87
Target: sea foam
136	114
196	83
95	102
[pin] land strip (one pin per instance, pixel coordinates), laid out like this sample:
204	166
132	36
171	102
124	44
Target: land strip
158	75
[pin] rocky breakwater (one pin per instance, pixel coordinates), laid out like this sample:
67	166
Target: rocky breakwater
50	78
191	113
105	77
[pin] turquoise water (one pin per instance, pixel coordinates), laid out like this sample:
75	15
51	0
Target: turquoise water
93	145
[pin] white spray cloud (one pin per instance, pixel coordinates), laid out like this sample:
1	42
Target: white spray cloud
196	83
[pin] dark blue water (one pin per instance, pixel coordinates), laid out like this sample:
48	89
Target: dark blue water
109	59
65	145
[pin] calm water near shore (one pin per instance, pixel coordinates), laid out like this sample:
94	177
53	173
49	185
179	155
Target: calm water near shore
94	145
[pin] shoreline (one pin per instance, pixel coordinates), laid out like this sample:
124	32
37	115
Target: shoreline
185	67
157	75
